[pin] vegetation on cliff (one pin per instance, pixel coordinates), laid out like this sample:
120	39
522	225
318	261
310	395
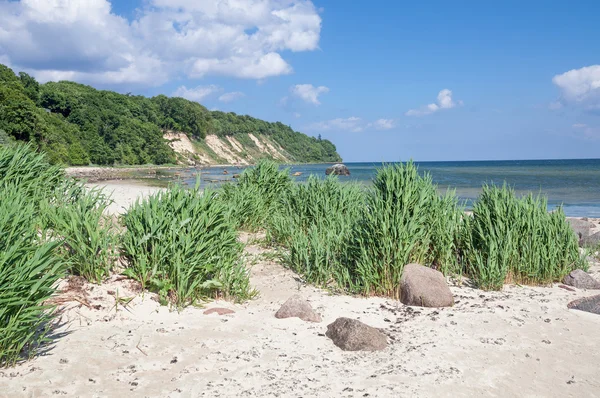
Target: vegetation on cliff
76	124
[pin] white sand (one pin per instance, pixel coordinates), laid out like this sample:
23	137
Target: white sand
522	341
123	193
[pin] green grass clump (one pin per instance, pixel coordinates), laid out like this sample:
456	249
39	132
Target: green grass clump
404	221
315	223
29	270
517	240
182	244
255	198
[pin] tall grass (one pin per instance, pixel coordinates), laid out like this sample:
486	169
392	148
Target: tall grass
517	240
315	222
182	244
254	199
29	269
404	221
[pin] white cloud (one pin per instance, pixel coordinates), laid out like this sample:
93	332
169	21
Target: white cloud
586	132
384	124
353	124
580	86
308	92
232	96
84	40
197	93
579	126
444	101
297	115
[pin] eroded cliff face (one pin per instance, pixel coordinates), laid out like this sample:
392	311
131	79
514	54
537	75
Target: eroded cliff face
241	149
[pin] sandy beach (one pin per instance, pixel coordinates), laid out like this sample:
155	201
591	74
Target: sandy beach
521	341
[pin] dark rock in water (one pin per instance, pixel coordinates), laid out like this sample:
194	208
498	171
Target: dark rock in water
353	335
580	227
220	311
338	169
297	307
424	287
581	280
590	241
236	176
587	304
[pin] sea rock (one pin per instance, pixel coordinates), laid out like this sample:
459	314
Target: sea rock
580	227
338	169
587	304
297	307
297	174
424	287
590	241
353	335
220	311
581	280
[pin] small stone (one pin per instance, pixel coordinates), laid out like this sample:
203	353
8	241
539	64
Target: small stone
297	307
219	311
353	335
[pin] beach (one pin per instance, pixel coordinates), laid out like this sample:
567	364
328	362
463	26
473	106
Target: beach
521	341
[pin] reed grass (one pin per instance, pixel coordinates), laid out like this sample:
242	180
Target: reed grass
517	240
182	244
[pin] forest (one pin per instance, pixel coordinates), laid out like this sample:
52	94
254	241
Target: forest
75	124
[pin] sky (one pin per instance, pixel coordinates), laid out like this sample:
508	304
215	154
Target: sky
384	80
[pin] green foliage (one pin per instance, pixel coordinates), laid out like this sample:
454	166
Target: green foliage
315	223
256	195
516	240
29	270
181	244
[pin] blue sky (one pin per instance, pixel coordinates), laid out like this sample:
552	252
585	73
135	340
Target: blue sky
384	80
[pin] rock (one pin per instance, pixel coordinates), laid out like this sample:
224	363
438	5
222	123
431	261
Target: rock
353	335
424	287
236	175
338	169
297	174
590	241
297	307
225	172
587	304
581	280
580	227
220	311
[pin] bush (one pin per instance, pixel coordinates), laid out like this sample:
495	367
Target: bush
181	244
255	198
404	221
518	240
315	223
29	270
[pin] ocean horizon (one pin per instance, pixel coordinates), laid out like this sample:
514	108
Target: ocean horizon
572	183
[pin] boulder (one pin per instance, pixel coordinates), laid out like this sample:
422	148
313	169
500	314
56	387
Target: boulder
581	280
338	169
590	241
297	307
353	335
219	311
580	227
424	287
587	304
297	174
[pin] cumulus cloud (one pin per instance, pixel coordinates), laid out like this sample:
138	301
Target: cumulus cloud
444	101
197	93
232	96
85	40
353	124
308	92
580	86
589	133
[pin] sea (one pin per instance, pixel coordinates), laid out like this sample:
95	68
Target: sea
573	184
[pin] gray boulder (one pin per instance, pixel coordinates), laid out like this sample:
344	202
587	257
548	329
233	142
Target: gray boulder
338	169
587	304
581	280
424	287
590	241
353	335
297	307
580	227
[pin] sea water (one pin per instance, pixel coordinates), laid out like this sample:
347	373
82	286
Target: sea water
574	184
